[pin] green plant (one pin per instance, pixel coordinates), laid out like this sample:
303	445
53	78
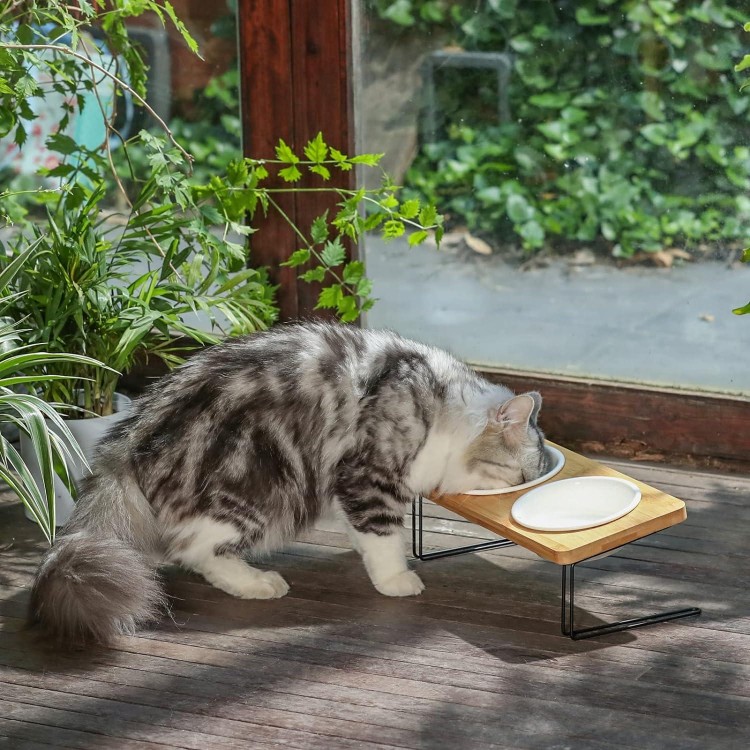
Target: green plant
32	415
211	135
118	285
627	129
107	291
116	292
347	289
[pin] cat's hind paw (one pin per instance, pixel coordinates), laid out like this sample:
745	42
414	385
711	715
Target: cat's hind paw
406	583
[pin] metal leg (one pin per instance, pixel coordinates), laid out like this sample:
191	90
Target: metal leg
567	619
567	609
417	529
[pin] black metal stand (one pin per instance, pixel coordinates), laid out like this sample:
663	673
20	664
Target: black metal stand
416	539
567	616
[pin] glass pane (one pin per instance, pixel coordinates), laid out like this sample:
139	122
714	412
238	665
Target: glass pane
197	98
592	161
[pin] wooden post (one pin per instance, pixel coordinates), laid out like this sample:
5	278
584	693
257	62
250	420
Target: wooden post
295	67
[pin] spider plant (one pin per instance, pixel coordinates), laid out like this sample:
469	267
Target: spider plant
32	415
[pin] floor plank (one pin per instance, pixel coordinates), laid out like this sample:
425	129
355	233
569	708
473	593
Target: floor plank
476	661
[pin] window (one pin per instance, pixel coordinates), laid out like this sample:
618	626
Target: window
594	172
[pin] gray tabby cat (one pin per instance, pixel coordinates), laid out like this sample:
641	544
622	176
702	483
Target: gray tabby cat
249	442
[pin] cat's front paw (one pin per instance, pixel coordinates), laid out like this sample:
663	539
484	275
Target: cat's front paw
268	585
276	582
406	583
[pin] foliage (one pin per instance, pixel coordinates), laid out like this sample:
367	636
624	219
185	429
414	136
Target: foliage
627	128
119	286
32	415
323	249
211	135
117	292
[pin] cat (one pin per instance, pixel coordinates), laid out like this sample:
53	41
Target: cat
249	442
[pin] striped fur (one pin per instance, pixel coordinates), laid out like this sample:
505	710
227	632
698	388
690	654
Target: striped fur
251	441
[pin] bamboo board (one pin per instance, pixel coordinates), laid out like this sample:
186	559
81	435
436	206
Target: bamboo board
655	512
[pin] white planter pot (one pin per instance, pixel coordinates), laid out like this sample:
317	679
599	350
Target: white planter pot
88	433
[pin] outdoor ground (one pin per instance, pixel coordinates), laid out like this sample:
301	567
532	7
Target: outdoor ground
476	662
664	326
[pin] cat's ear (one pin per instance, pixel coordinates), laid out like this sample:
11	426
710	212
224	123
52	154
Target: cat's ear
537	398
515	413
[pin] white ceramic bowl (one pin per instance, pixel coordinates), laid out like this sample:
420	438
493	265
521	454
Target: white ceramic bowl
558	463
576	503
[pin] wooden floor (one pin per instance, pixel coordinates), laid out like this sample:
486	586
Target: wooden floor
477	661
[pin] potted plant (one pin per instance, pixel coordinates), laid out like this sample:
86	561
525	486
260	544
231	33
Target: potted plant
37	420
163	269
104	291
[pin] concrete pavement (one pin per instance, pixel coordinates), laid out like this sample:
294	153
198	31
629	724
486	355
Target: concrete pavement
666	327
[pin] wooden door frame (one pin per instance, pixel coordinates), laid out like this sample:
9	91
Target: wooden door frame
295	81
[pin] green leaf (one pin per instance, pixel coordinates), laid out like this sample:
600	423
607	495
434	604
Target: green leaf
9	272
364	287
393	228
341	160
428	216
316	150
371	160
417	238
389	201
532	233
319	169
373	221
585	17
285	154
353	272
25	34
260	172
333	253
212	215
314	274
319	229
62	143
519	209
180	26
550	100
290	174
7	121
400	12
20	136
657	133
329	297
29	494
409	209
297	258
347	308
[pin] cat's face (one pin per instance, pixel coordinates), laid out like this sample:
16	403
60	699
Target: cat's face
510	450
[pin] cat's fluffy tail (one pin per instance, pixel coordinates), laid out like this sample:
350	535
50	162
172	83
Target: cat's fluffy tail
99	580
